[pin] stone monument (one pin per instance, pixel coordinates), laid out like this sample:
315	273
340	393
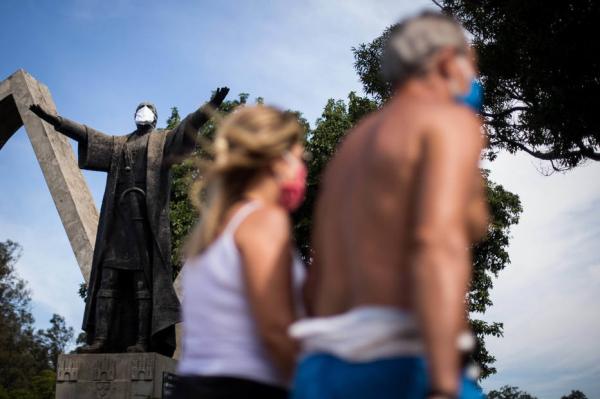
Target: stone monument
128	268
131	274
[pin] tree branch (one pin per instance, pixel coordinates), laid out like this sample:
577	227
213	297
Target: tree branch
550	155
556	168
547	156
437	4
505	112
588	152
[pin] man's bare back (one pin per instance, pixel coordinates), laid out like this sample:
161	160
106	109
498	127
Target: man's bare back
369	217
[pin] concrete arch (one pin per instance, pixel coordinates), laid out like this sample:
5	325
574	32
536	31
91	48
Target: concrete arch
55	156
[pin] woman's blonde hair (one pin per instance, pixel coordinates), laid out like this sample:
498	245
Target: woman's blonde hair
246	143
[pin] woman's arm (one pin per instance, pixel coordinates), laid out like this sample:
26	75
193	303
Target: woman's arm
265	244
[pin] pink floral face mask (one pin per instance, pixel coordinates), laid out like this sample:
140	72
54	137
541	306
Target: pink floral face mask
293	190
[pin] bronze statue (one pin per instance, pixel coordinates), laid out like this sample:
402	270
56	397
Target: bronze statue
131	304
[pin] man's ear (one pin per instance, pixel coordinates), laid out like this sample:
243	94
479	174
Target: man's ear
444	62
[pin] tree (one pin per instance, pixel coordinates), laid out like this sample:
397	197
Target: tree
27	358
542	87
43	385
576	394
55	339
508	392
337	118
183	216
182	213
490	256
20	355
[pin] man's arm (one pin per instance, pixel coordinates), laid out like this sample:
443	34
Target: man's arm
62	125
478	210
441	266
181	140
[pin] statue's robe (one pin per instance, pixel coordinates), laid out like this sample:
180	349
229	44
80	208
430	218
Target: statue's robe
101	152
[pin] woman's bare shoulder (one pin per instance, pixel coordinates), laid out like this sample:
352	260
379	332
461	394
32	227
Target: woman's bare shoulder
269	223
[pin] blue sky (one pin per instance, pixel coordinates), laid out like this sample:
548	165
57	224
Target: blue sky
101	58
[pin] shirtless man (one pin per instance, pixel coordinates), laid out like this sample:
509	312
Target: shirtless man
400	204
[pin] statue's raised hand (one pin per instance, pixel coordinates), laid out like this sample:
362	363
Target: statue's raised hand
51	118
218	96
203	114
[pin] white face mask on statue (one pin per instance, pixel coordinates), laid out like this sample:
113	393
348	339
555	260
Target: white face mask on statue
144	116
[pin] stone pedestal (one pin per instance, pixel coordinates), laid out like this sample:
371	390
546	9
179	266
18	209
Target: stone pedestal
113	375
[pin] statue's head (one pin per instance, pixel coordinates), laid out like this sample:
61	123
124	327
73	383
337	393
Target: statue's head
146	115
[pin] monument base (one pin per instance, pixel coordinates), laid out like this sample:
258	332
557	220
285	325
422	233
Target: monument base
114	376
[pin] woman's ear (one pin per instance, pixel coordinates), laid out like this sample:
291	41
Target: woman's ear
271	169
276	168
281	169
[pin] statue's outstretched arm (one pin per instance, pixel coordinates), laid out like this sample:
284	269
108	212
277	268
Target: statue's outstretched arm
203	114
181	140
69	128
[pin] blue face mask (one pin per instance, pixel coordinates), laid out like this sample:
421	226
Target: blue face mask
474	98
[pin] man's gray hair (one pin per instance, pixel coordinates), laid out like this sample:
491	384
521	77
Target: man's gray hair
412	43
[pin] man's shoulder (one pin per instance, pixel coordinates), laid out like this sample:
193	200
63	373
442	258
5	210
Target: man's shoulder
365	123
456	130
453	114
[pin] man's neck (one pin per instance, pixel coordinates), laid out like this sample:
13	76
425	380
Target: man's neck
426	89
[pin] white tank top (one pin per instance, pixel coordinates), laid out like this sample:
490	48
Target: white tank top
220	336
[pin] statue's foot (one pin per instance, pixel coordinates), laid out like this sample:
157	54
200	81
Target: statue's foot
138	348
98	346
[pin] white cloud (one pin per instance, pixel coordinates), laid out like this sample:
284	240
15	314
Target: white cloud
547	296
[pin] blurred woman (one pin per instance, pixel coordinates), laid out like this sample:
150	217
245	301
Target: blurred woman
242	280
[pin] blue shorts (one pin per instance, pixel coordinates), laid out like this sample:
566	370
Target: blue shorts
323	376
